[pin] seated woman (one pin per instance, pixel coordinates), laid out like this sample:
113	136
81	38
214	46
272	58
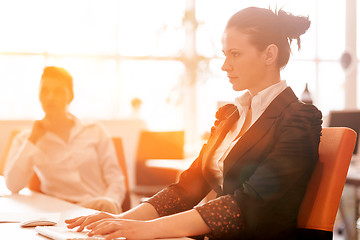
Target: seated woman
259	156
74	160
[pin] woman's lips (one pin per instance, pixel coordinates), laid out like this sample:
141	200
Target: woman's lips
231	78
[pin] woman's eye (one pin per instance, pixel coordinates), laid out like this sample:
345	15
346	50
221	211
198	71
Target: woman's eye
235	54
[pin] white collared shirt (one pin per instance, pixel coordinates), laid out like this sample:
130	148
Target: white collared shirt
258	103
82	168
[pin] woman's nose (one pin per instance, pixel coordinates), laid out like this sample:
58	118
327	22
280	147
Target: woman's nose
225	67
50	96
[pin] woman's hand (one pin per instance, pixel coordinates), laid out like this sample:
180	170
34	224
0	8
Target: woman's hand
144	211
84	221
39	128
130	229
188	223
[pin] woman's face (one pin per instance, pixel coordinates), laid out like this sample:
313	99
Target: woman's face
54	96
244	63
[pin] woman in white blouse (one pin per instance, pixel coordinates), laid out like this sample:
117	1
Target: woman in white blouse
74	161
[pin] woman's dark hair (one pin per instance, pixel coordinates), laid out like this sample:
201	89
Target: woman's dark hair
60	74
266	27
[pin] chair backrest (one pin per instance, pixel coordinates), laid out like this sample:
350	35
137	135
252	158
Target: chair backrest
161	145
321	201
158	145
34	183
126	205
5	153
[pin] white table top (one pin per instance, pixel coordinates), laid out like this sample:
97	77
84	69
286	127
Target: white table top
28	202
176	164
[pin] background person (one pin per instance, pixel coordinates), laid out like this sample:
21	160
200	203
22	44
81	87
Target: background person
259	156
74	161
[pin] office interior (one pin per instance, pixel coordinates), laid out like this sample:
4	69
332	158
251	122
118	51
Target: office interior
166	53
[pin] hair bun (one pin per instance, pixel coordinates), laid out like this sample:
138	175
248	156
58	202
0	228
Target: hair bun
293	26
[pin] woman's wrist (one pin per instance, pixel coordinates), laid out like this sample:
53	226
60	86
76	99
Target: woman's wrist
164	228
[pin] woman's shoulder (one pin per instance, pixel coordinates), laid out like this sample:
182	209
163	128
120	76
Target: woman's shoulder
299	112
304	108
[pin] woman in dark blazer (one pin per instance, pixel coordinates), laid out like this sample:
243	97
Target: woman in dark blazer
258	159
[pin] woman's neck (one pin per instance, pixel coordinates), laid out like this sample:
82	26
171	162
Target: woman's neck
60	125
59	119
271	78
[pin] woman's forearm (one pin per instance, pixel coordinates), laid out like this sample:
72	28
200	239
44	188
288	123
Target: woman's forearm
188	223
144	211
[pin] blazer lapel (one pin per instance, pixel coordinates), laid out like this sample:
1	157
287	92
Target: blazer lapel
260	127
218	136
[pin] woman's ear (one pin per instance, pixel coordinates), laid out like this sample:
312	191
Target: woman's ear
271	54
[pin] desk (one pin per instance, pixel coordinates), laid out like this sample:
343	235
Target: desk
32	202
175	164
352	179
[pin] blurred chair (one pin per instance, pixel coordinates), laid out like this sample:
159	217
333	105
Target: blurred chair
4	156
157	145
126	205
34	183
321	201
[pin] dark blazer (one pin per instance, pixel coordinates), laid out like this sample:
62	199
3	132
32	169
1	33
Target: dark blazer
265	174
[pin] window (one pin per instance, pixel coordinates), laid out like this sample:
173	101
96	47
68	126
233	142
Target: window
117	50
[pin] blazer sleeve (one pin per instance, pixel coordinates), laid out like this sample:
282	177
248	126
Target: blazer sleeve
185	194
192	186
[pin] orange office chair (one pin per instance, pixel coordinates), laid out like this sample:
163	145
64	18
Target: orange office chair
157	145
321	201
126	205
4	156
34	183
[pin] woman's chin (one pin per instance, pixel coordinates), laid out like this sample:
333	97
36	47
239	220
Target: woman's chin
237	88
